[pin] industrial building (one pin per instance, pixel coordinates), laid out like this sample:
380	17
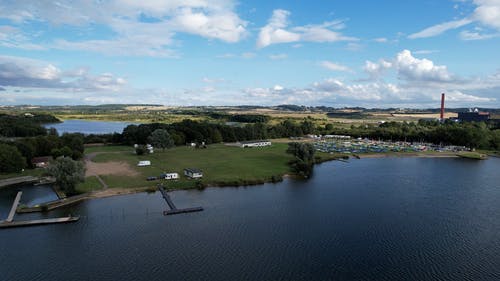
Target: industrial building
473	116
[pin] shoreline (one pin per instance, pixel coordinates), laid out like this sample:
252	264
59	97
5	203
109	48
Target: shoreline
125	191
111	192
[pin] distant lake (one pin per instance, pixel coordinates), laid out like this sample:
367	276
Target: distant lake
368	219
89	127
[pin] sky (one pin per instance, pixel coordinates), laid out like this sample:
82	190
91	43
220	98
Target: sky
389	53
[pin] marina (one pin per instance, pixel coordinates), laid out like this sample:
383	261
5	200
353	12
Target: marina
373	146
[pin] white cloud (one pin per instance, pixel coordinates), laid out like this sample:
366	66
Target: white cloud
12	37
413	69
276	31
335	92
143	28
381	40
354	47
487	13
439	28
375	70
335	66
425	52
473	35
29	73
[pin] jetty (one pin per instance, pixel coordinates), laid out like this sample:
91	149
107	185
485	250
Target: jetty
14	207
9	222
18	181
6	224
173	209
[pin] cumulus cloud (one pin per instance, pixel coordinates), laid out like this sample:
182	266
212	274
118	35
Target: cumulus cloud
335	66
30	73
144	28
486	13
413	69
277	31
335	92
418	83
375	70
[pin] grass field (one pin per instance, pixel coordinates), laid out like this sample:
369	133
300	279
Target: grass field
27	172
90	184
221	165
472	155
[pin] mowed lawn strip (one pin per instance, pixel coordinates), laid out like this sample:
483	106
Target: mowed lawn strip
220	164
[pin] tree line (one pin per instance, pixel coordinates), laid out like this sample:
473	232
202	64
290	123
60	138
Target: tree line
24	138
469	134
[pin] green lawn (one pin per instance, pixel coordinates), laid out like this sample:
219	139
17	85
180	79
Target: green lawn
221	165
27	172
90	184
472	155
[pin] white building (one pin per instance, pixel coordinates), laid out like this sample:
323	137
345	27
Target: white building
193	173
258	143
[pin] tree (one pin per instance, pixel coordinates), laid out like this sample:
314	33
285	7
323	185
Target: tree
140	149
11	159
68	173
161	138
304	158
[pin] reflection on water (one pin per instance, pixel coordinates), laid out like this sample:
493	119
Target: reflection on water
369	219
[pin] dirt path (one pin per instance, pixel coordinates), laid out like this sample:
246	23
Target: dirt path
107	168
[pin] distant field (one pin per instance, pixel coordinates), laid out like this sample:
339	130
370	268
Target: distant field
419	115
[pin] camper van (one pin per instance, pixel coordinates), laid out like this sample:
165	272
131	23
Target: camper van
144	163
170	176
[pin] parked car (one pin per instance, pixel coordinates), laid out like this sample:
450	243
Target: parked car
152	178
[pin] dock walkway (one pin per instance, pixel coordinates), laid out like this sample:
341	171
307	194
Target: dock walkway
10	223
14	207
18	180
173	209
38	222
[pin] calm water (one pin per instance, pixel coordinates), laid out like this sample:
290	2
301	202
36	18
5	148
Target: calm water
370	219
89	127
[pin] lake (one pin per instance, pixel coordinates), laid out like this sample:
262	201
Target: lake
369	219
89	127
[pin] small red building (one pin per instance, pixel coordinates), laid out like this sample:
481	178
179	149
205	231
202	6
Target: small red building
41	162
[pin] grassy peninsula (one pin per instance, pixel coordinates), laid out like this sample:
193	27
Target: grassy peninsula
222	165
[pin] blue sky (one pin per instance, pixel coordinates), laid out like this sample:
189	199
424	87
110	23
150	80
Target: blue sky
224	52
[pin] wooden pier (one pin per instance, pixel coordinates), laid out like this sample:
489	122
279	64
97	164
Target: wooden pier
6	224
173	209
10	223
14	207
18	181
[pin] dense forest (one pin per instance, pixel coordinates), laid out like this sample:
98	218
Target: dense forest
24	138
26	125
